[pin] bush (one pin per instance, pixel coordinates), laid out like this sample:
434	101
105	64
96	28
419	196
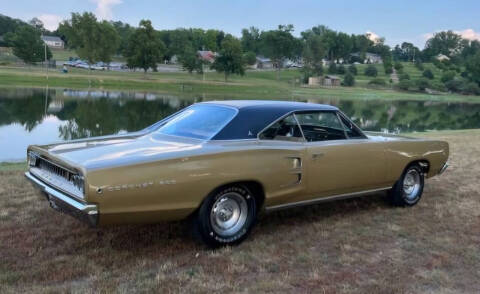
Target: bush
404	85
371	71
419	65
352	69
398	66
428	74
332	68
349	80
404	76
377	82
471	88
438	86
341	70
388	70
447	76
422	84
455	85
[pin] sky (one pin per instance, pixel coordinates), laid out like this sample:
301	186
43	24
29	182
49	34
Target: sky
396	21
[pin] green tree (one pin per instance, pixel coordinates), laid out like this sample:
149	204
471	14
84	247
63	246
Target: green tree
92	40
371	71
404	76
349	80
251	40
190	60
422	84
145	48
428	74
279	45
250	58
332	68
398	66
28	46
404	85
447	76
447	43
230	59
313	53
341	69
473	67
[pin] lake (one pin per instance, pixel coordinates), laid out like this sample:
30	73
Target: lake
41	116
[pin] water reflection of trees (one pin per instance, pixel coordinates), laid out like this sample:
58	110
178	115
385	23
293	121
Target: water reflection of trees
27	109
86	117
97	117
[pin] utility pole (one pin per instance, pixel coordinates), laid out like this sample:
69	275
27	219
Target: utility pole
45	53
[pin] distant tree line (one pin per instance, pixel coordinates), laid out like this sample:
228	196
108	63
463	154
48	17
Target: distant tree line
144	47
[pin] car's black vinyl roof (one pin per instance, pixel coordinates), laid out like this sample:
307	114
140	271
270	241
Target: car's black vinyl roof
254	115
288	106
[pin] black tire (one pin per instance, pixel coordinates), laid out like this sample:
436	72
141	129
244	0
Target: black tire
215	212
399	195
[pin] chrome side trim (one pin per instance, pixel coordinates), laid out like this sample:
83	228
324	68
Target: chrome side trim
324	199
444	167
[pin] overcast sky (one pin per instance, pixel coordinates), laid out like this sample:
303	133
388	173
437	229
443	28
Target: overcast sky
397	21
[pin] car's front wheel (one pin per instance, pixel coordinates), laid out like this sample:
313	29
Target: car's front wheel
226	216
408	190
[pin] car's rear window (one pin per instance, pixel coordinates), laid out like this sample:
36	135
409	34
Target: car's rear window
198	121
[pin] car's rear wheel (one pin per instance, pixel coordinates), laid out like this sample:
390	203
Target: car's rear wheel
408	190
226	216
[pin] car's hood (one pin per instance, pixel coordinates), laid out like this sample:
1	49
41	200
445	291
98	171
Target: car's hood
113	151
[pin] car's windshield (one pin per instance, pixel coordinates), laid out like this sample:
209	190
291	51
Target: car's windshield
198	121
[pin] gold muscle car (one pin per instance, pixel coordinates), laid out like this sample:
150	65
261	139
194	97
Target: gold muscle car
223	162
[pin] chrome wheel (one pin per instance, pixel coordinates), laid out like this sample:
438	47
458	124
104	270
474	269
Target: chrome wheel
229	214
411	184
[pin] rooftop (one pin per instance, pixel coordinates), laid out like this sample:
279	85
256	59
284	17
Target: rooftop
51	39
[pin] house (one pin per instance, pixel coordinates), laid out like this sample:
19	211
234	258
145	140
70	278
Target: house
331	81
441	57
326	81
373	58
263	63
207	56
53	42
370	58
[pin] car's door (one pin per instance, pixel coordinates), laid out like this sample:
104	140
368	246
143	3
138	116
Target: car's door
340	159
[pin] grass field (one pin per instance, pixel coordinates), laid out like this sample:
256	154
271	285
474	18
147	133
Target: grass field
354	246
255	84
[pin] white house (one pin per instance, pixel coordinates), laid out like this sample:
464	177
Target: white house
53	42
370	58
441	57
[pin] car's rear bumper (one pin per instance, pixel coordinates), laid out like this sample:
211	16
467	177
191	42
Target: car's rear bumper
85	212
444	167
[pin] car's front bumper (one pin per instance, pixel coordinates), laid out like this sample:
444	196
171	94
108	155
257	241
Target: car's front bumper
62	202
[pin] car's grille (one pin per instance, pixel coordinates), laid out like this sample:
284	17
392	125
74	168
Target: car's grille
56	175
54	169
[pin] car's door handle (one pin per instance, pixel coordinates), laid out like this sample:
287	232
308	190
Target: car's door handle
317	155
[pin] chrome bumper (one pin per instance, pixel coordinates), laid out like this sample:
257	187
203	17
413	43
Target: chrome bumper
444	167
61	202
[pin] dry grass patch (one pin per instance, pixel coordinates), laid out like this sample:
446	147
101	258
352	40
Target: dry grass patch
357	245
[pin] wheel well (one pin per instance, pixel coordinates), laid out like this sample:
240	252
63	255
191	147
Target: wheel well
423	163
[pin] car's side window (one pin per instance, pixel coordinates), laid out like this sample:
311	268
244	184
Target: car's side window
285	129
352	131
320	126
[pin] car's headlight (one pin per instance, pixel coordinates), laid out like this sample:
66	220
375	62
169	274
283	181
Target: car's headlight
79	182
32	158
